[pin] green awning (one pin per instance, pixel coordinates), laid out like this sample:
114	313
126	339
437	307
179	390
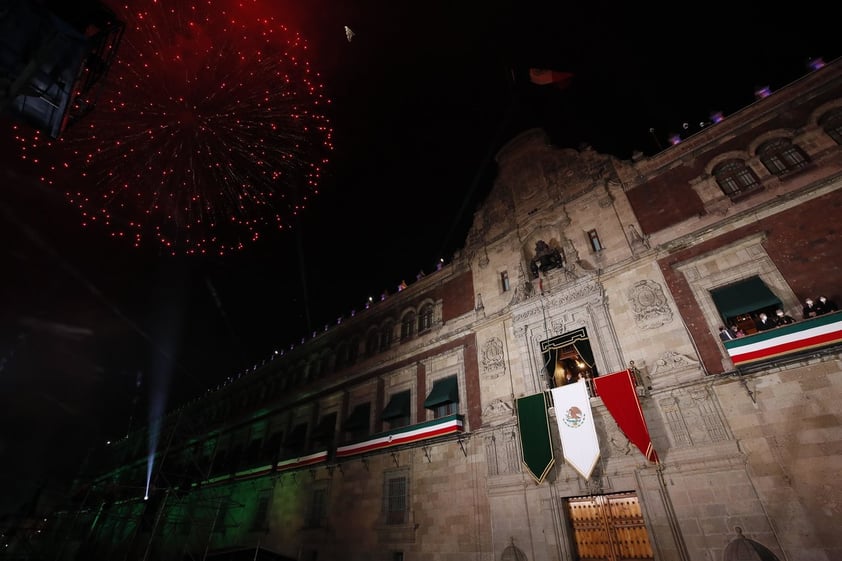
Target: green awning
359	418
398	406
743	297
444	391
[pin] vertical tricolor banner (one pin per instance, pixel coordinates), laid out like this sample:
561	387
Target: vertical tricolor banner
535	442
576	427
620	398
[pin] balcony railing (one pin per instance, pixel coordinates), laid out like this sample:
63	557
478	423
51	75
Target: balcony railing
450	424
787	340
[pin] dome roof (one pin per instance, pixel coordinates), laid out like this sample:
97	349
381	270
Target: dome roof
744	549
513	553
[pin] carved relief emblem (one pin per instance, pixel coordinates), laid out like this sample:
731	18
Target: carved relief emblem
649	305
497	408
492	358
672	360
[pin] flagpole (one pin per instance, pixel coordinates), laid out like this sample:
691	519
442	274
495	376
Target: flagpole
671	516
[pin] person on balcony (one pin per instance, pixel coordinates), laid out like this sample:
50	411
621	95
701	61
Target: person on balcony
810	310
764	322
783	319
825	306
725	334
737	332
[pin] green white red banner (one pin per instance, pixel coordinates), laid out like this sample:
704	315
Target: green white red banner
536	445
302	461
576	427
423	431
620	398
788	339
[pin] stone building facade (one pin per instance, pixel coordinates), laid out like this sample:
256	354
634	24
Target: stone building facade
394	434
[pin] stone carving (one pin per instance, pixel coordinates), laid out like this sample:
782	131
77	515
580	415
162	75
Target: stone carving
694	419
621	444
497	408
523	290
707	412
675	422
605	200
492	358
502	452
649	305
579	292
558	326
483	259
671	360
638	243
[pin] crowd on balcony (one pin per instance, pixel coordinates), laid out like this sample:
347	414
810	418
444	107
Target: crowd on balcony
812	308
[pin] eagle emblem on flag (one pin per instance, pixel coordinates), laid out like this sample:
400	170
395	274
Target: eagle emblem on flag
574	417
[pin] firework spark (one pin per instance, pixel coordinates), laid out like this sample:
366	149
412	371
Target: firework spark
209	130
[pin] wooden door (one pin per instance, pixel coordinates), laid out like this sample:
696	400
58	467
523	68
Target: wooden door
609	528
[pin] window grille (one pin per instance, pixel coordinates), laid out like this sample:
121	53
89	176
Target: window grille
396	499
781	156
735	178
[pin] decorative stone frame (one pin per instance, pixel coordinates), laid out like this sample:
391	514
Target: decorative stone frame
455	367
740	260
582	304
396	382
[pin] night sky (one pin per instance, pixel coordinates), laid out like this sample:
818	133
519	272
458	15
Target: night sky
421	98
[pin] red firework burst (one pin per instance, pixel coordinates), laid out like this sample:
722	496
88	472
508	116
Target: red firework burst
210	129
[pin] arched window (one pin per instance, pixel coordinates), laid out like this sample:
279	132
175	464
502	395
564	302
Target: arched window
328	363
315	368
408	326
425	318
341	356
735	178
831	122
353	350
372	342
386	334
781	156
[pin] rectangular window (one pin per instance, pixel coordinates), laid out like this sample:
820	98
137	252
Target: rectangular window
398	410
296	440
504	281
322	437
446	409
318	508
742	299
272	447
252	453
220	462
260	520
593	237
396	501
221	513
357	424
186	525
443	399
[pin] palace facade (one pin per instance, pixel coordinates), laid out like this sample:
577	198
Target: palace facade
410	431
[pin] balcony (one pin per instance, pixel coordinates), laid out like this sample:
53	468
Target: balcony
451	424
787	341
